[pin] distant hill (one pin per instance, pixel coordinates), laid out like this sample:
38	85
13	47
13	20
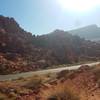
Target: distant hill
91	32
66	47
21	51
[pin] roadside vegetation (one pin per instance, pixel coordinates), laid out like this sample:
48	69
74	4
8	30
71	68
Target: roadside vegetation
81	84
59	92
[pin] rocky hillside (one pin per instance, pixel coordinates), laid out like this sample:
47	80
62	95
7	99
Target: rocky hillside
68	48
17	51
21	51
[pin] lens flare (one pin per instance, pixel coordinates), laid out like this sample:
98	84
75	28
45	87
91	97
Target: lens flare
79	5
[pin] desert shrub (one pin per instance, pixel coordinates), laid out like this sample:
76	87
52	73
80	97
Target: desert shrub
12	94
48	75
21	78
34	83
62	74
2	98
66	74
60	92
97	74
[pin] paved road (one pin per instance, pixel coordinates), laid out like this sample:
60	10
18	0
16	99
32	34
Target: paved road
28	74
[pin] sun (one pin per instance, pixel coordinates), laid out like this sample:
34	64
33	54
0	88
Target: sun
78	5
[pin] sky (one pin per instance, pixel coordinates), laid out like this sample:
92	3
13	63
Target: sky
44	16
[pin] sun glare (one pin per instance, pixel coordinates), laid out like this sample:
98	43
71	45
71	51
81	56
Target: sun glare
78	5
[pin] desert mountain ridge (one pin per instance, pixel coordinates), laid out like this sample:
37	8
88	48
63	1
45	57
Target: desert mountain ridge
21	51
90	32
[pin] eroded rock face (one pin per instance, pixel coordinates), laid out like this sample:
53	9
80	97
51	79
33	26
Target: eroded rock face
9	25
15	43
40	52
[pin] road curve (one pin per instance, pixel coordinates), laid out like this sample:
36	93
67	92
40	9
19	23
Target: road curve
28	74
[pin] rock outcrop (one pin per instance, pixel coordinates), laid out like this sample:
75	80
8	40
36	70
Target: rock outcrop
21	51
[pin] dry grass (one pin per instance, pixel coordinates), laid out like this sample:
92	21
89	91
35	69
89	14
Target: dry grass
34	84
96	71
59	92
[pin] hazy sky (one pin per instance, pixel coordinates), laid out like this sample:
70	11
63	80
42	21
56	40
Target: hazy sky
44	16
